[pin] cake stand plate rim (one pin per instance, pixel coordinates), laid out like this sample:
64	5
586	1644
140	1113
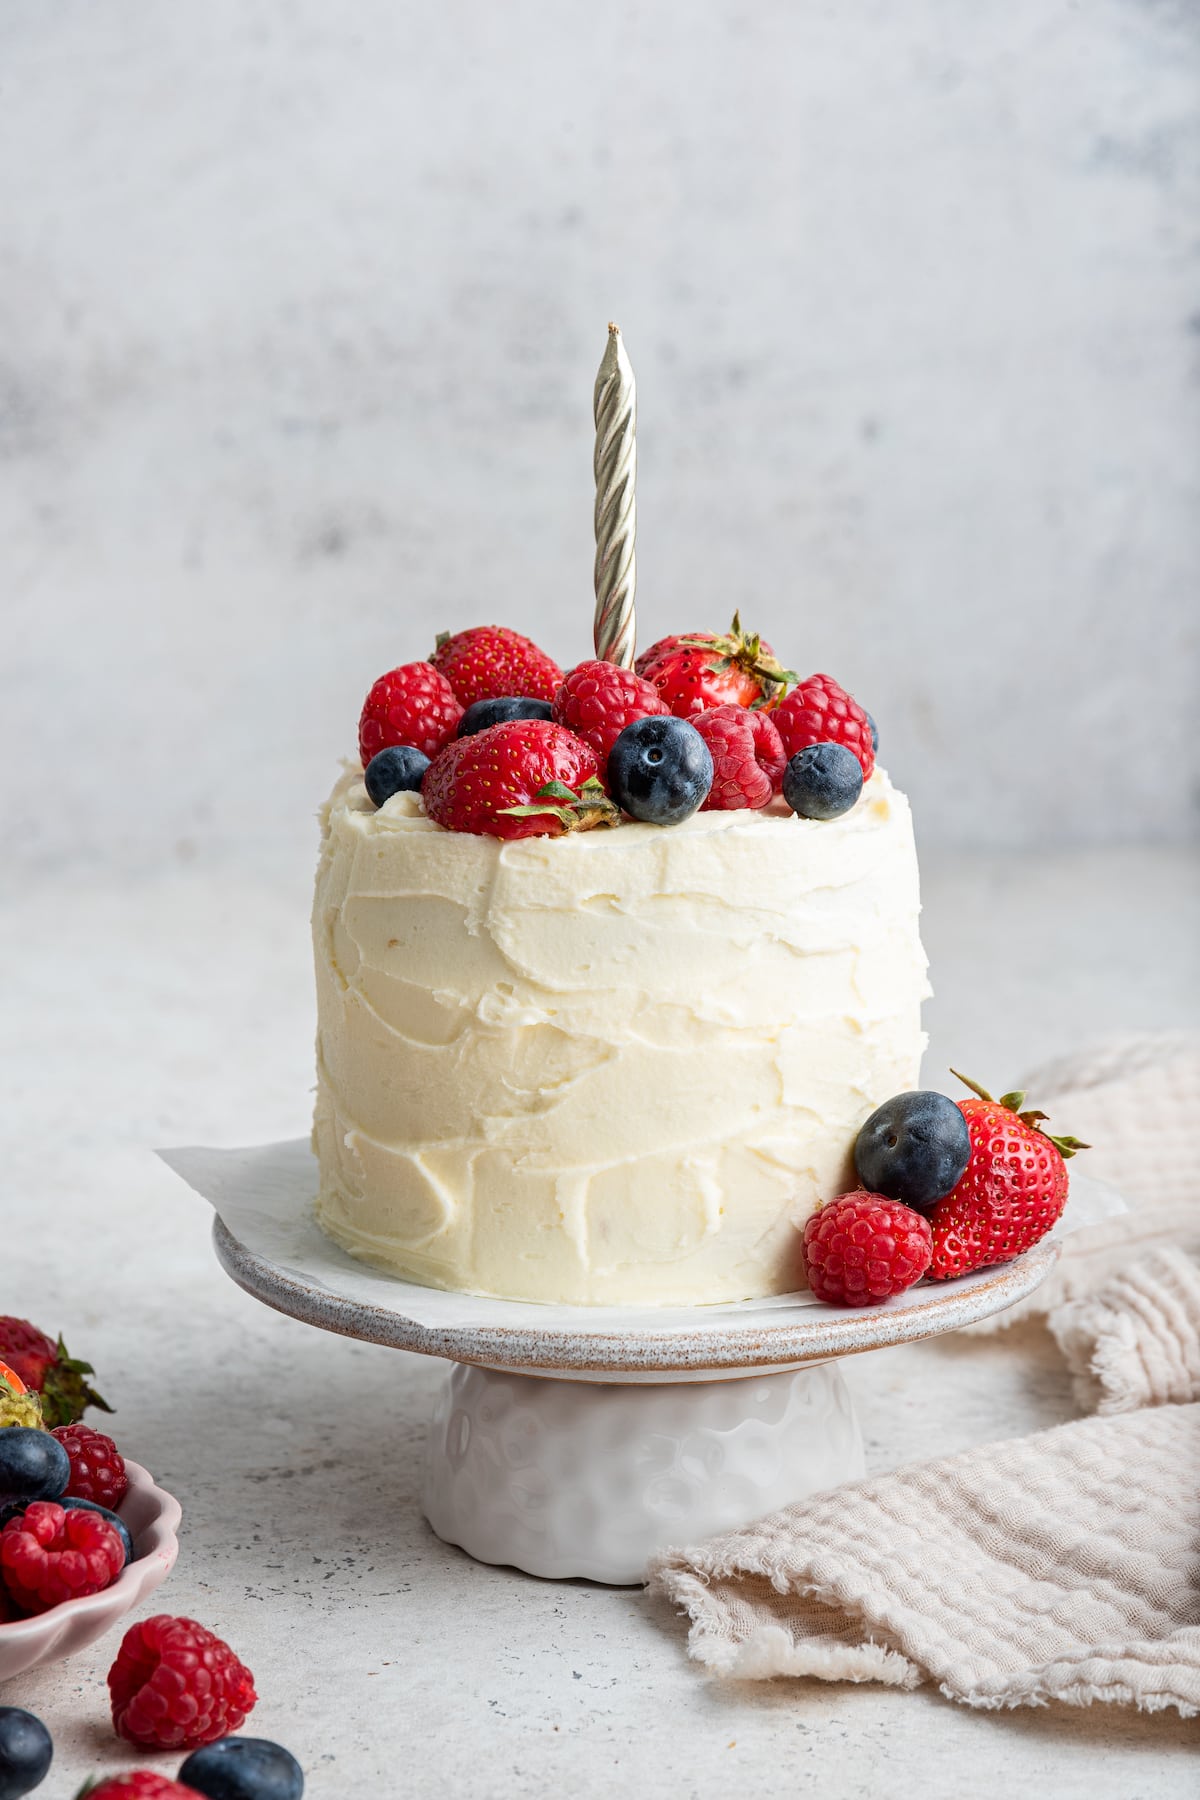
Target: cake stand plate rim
807	1335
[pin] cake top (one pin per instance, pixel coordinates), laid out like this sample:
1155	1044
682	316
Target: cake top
501	742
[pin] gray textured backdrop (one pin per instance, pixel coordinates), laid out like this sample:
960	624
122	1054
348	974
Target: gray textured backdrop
300	308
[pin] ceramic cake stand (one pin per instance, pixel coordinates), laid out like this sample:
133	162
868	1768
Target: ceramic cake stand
576	1441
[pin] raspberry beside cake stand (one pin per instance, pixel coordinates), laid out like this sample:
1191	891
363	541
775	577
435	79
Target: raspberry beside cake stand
580	1446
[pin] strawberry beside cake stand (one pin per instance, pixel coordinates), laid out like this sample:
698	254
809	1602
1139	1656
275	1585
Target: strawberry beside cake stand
577	1441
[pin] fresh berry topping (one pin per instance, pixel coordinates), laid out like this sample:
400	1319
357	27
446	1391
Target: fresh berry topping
748	759
244	1769
400	769
49	1554
529	778
874	730
660	770
823	781
490	662
26	1752
913	1148
862	1248
139	1784
598	700
818	711
699	670
412	705
45	1367
33	1465
97	1466
176	1686
1012	1192
481	715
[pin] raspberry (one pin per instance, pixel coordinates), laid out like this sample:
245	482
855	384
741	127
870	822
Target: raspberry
139	1784
748	759
176	1686
598	700
818	711
490	662
97	1466
861	1248
51	1553
411	705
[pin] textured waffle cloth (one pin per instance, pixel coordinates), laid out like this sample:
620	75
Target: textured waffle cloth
1063	1566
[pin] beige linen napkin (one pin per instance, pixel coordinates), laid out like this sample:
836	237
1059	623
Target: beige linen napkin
1062	1566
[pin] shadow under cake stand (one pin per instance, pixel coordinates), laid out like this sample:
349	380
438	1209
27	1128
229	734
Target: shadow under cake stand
581	1445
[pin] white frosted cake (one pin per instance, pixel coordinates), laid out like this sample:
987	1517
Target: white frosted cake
612	1066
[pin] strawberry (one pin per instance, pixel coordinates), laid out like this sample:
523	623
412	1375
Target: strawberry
818	711
45	1368
524	778
490	662
748	759
412	705
700	670
1012	1191
598	700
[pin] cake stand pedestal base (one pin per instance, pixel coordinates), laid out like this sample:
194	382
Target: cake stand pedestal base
582	1478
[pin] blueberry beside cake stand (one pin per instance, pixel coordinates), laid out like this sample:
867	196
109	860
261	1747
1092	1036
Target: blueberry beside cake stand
578	1441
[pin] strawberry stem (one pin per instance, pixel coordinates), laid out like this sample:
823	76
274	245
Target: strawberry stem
582	811
1013	1102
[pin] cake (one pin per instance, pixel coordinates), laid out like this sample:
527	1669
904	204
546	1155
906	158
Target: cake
612	964
611	1066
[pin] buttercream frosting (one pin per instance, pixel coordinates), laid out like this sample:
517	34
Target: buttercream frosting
618	1066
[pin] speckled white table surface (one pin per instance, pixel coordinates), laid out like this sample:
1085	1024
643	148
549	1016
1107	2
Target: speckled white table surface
179	1010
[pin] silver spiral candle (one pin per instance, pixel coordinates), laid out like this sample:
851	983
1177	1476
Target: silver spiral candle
615	466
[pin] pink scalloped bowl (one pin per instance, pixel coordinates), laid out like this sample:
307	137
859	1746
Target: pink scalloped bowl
152	1516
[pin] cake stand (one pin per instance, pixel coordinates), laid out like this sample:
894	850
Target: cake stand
577	1441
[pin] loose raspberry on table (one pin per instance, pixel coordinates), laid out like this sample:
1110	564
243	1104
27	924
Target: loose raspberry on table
175	1685
411	705
748	759
598	700
819	711
139	1784
97	1467
51	1553
861	1248
490	662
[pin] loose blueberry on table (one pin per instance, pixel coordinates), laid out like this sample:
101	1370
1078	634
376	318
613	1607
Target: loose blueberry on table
240	1768
26	1752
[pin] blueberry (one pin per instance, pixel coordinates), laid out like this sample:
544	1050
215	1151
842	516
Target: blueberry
914	1148
822	781
660	770
481	715
397	770
244	1769
874	734
33	1465
26	1751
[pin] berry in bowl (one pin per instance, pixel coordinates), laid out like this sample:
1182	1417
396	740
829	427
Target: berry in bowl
70	1564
